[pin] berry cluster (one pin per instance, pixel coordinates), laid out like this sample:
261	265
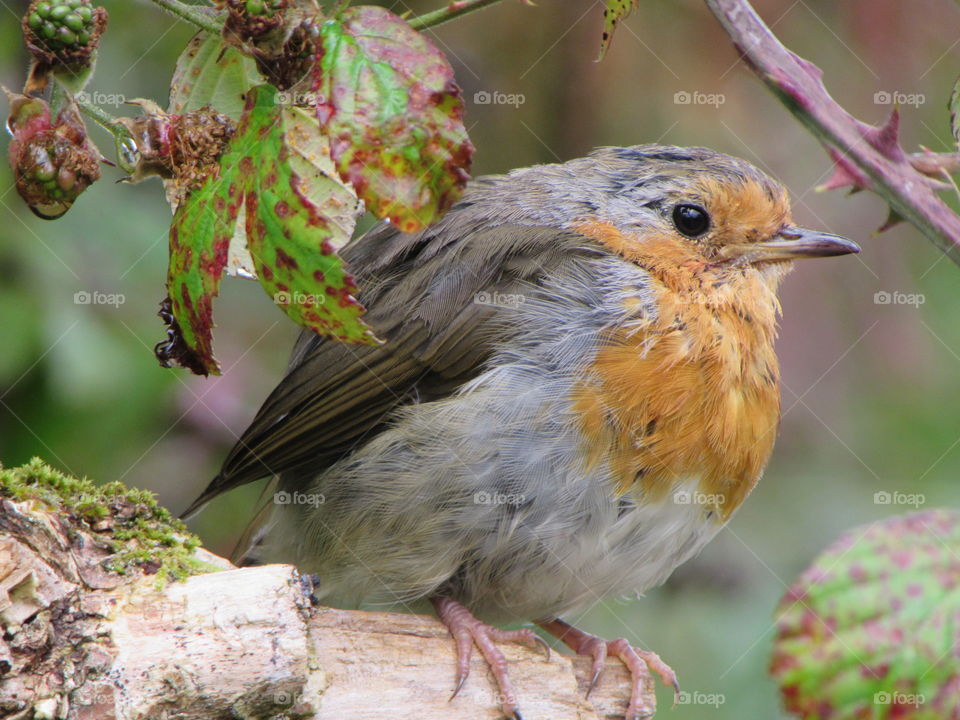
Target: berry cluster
252	20
263	8
62	24
53	160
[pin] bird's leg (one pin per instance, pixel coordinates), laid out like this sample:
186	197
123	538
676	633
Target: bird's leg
467	631
639	662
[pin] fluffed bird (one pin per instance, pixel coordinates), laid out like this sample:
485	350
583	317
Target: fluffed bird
577	389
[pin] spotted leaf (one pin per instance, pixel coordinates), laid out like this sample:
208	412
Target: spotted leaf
394	115
614	11
289	239
210	72
872	629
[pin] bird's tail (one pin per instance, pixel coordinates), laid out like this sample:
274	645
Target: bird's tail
212	490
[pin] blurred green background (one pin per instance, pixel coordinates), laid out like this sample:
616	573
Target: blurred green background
869	389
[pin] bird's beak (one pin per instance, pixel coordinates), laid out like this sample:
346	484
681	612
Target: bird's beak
793	243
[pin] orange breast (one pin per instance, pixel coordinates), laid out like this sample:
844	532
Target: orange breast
691	393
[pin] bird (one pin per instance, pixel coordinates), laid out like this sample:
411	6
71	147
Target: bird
577	387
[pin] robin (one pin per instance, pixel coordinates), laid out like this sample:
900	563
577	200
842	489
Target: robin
577	390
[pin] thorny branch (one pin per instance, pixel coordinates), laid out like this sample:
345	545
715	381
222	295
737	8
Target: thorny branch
865	156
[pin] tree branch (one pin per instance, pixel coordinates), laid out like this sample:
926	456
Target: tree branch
866	157
83	643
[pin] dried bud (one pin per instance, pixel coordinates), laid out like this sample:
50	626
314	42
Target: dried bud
184	148
52	162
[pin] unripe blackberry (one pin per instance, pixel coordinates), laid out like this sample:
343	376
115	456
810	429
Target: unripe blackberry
62	33
52	161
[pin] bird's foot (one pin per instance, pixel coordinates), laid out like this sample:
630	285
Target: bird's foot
640	663
467	631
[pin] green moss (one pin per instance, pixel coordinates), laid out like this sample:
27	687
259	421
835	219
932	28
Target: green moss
140	535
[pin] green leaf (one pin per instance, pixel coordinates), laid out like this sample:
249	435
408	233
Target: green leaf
614	11
954	107
289	238
872	629
388	101
209	72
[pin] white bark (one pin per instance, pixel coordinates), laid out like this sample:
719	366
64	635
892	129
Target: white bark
83	644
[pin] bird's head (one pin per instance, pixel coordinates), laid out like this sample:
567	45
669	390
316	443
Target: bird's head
694	205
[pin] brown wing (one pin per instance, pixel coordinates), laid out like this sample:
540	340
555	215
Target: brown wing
420	291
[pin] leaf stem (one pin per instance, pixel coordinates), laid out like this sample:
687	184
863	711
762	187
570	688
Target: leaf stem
191	14
453	10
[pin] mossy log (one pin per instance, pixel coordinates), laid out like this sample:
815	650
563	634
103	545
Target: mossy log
112	611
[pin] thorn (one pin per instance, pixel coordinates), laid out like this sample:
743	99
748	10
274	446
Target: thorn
885	139
845	173
893	218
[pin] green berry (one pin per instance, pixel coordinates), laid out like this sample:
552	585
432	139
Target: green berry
34	21
67	37
74	22
60	12
83	38
66	179
85	13
255	7
45	172
49	30
43	10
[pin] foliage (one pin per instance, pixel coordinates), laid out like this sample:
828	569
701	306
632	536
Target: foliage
872	628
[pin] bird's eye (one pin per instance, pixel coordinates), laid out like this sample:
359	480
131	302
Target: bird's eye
691	220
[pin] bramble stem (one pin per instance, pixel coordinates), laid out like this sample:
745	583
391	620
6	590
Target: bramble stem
874	153
104	119
453	10
191	14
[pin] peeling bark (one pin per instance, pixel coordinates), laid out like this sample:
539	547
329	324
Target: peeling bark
82	643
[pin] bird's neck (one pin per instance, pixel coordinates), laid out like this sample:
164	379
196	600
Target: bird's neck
691	391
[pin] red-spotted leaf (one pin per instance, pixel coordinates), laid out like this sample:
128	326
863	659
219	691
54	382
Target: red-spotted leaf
289	239
613	12
388	102
210	72
871	630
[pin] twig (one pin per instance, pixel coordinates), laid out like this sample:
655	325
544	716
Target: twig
451	11
867	157
191	14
